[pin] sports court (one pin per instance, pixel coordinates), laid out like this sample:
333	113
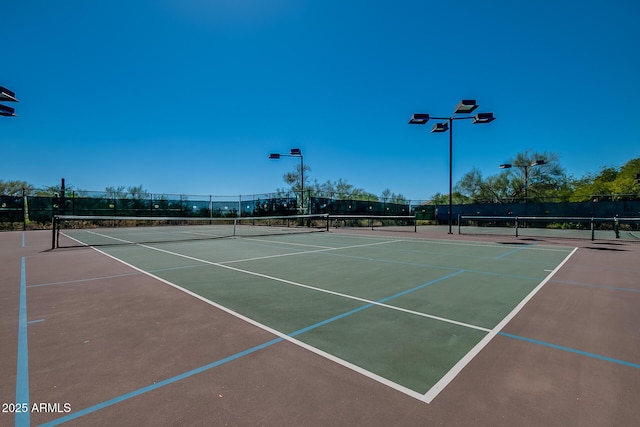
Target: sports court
337	327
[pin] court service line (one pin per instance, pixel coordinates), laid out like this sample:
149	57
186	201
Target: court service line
315	251
324	249
455	370
314	288
412	239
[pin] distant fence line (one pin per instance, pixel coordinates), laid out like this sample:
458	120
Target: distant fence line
36	211
32	211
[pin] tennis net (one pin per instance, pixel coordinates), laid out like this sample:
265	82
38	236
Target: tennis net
73	230
592	228
374	222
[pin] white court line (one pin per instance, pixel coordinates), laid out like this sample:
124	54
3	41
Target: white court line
463	243
455	370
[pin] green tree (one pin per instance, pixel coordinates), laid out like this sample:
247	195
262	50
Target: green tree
16	188
610	182
520	181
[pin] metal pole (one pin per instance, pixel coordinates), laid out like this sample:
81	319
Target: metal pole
302	184
450	171
526	184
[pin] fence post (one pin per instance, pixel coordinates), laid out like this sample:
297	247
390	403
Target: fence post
517	226
592	230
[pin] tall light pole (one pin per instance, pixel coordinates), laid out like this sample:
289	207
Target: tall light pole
526	174
466	106
295	152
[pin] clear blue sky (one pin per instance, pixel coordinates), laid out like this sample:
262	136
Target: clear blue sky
190	96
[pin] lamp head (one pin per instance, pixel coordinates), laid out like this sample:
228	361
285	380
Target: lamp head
466	106
440	127
419	119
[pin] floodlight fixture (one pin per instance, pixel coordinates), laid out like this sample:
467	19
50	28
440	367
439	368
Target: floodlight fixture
440	127
295	152
7	111
7	95
274	156
419	119
538	163
483	118
466	106
506	166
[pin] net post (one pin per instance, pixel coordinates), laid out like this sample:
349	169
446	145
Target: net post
517	226
415	223
459	218
593	232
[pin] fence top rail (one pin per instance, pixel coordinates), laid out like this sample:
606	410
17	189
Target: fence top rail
552	218
371	216
181	218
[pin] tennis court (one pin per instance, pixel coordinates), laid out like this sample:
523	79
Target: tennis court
400	313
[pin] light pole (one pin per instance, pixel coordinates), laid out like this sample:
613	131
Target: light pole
466	106
7	95
295	152
526	174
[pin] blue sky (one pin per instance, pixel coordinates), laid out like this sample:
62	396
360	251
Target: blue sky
190	96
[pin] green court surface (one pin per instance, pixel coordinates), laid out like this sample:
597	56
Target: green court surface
403	311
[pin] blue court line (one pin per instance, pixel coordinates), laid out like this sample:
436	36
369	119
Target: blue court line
22	374
509	253
572	350
232	357
159	384
591	285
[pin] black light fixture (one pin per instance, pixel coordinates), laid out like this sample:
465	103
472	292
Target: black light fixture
7	111
440	127
7	95
483	118
466	106
419	119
